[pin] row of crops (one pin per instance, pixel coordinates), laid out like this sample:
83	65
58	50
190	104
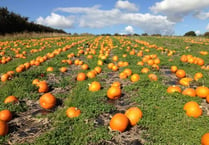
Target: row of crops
104	90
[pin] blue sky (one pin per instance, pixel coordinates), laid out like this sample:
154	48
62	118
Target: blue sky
116	16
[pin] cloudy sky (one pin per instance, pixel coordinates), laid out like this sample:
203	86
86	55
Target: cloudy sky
170	17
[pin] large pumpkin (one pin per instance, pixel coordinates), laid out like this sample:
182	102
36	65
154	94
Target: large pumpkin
47	101
119	122
134	114
114	93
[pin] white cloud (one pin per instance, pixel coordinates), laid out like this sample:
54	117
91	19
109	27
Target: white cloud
177	9
57	21
201	15
207	28
94	17
197	32
129	29
120	4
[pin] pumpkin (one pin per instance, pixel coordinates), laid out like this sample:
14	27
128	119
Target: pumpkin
72	112
180	73
43	87
63	69
91	74
49	69
189	92
98	69
47	101
123	75
4	77
205	139
5	115
115	84
128	71
94	86
134	114
192	109
119	122
144	70
173	68
114	93
11	99
81	77
135	77
152	77
172	89
202	91
197	76
3	128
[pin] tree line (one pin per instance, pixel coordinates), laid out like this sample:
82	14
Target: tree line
11	22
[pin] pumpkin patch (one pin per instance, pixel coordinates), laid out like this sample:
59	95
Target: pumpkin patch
104	90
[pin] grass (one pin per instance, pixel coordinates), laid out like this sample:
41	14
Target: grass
164	119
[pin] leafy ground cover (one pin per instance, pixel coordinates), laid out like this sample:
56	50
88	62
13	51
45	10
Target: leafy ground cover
107	60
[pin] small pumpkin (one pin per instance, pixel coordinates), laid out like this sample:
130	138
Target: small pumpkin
119	122
81	77
135	77
43	87
202	91
5	115
11	99
72	112
94	86
189	92
180	73
172	89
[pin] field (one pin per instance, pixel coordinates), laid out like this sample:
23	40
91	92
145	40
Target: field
142	66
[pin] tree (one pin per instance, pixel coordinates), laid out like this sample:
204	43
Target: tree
144	34
190	33
206	34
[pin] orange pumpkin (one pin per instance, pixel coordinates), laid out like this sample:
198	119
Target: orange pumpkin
11	99
4	77
47	101
135	77
43	87
3	128
205	139
134	114
189	92
192	109
49	69
202	91
119	122
114	93
94	86
172	89
180	73
115	84
5	115
197	76
81	77
174	69
152	77
63	69
128	71
72	112
84	66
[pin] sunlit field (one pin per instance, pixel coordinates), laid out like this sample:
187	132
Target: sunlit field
104	90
